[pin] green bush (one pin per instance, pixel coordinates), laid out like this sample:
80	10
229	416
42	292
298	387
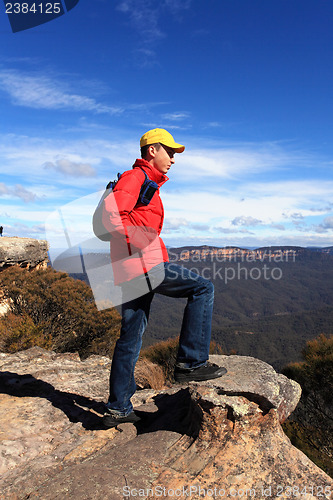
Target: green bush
58	312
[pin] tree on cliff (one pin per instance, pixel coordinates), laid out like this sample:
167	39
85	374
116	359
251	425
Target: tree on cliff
52	310
311	424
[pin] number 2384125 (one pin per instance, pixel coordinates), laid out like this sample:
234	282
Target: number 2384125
35	8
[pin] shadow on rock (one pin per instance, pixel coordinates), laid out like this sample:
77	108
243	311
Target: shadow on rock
77	408
173	412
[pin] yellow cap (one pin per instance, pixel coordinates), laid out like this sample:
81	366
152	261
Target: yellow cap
160	135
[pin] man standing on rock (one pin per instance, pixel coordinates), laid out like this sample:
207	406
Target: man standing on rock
1	230
142	268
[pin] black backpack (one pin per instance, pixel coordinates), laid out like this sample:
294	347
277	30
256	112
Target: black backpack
147	191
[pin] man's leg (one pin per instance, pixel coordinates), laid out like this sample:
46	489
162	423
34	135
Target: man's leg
135	316
194	341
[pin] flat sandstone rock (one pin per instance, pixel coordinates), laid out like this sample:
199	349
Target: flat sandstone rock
25	252
223	434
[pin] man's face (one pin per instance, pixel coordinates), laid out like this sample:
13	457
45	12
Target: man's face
163	159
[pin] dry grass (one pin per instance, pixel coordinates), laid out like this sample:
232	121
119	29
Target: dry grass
164	354
148	375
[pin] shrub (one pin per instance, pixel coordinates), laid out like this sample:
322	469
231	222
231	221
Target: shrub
18	333
61	309
165	353
310	427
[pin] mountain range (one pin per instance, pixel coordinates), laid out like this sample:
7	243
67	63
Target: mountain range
269	301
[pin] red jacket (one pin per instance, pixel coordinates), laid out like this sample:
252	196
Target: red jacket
135	244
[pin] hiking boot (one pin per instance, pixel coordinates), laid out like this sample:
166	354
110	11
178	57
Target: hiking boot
205	372
112	420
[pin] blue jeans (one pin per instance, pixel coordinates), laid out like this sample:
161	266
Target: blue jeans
194	337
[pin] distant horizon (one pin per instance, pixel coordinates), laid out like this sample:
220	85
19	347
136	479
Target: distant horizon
76	248
199	245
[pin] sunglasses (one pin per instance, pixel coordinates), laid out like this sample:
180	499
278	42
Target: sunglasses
170	152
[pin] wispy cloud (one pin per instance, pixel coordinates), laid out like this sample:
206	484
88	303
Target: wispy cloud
325	227
24	194
168	126
176	116
279	227
229	230
36	90
24	230
328	222
179	224
3	188
174	223
67	167
18	191
144	17
239	160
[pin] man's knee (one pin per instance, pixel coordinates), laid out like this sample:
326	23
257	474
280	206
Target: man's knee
207	286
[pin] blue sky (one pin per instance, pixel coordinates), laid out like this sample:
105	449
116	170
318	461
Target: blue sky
246	85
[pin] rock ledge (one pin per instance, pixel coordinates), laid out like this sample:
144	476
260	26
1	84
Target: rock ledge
25	252
224	434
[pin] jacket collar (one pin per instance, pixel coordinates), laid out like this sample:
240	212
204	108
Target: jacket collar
152	172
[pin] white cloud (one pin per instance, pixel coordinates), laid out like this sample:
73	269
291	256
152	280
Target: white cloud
328	223
145	16
176	116
244	220
25	158
18	191
297	216
325	227
71	168
42	92
237	160
203	199
181	224
24	194
3	188
213	124
229	230
175	223
24	230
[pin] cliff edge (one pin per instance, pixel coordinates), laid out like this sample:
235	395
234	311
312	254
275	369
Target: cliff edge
217	439
24	252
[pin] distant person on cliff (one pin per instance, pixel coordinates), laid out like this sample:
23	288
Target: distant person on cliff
141	265
1	230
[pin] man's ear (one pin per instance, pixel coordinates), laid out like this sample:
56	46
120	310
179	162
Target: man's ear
151	152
